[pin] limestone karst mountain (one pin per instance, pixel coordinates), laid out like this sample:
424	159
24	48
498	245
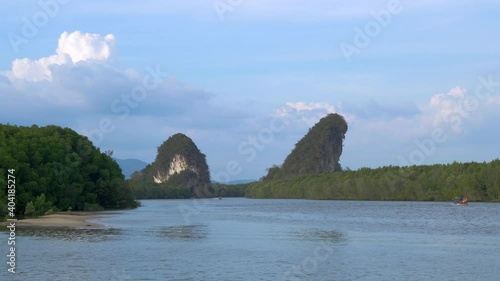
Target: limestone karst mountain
317	152
179	164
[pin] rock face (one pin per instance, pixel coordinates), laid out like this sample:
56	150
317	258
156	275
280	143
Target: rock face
179	163
318	151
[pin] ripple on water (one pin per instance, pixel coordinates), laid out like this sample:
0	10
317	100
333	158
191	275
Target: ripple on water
71	234
183	232
314	234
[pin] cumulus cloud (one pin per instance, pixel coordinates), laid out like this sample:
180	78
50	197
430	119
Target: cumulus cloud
85	46
445	107
458	108
454	112
35	70
307	113
80	79
72	48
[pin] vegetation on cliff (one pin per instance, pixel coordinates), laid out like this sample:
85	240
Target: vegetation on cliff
58	169
317	152
180	170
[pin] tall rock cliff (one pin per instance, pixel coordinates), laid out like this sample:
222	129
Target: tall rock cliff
180	164
318	151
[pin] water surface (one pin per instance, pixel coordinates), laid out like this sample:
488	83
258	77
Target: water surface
250	239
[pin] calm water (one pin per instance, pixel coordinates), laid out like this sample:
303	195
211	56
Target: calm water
249	239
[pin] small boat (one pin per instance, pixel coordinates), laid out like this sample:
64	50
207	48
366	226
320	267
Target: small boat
461	201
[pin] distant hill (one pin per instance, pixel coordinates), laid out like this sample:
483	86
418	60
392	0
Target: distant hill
235	182
129	166
240	182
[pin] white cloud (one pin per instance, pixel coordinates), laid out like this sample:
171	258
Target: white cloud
444	108
301	106
308	113
459	110
72	48
79	82
85	46
35	70
455	113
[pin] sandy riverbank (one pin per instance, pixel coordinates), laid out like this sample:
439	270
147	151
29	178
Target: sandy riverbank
66	219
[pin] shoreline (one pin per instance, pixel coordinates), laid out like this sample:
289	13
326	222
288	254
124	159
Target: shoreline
75	219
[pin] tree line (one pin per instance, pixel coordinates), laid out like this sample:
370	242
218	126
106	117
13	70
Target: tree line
478	181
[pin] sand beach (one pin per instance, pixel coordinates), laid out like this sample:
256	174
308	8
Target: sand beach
62	219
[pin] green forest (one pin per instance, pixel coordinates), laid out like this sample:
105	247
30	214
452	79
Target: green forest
478	181
57	169
175	188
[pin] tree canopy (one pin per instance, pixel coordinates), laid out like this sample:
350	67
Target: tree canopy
58	169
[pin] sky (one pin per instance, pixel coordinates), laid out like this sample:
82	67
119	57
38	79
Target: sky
417	81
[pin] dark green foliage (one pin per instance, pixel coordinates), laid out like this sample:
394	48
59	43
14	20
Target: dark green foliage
271	173
192	182
155	191
56	168
478	181
317	152
230	190
30	209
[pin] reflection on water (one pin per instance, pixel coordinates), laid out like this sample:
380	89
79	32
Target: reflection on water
328	235
320	235
183	232
70	234
247	240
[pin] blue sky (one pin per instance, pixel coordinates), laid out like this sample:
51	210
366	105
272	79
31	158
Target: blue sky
416	80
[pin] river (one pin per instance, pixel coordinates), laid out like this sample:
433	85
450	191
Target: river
279	240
